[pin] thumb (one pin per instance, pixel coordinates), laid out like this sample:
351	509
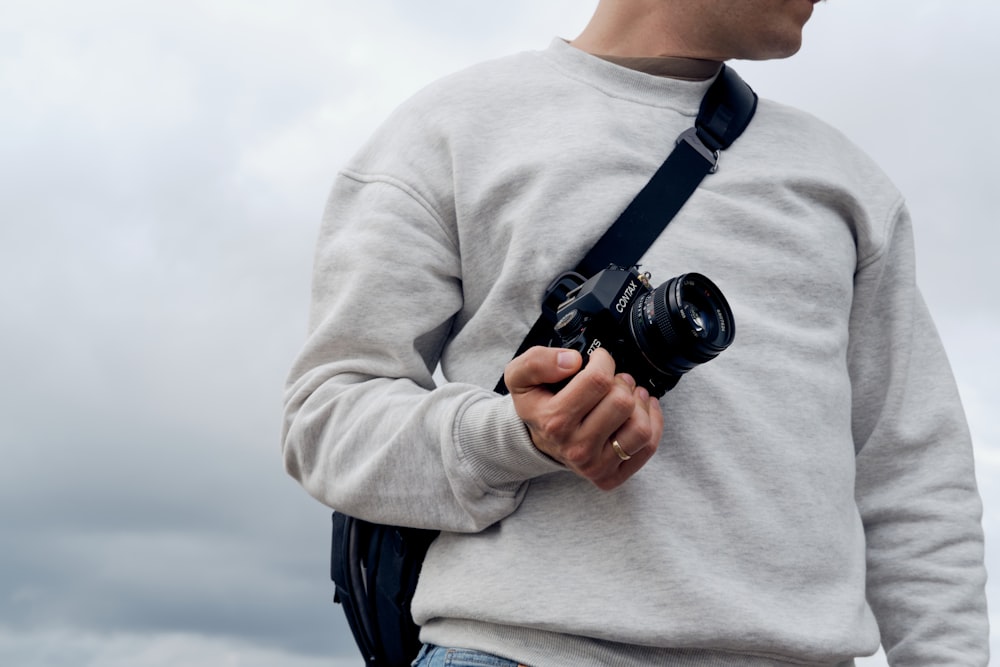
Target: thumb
541	366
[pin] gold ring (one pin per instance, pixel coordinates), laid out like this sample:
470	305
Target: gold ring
619	451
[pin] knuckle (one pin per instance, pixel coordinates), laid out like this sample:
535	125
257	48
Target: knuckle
601	382
556	424
579	457
643	433
516	366
529	365
519	369
622	401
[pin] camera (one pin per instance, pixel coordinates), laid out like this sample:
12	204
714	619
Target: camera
654	334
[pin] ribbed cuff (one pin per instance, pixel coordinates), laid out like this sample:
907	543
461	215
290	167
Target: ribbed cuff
494	444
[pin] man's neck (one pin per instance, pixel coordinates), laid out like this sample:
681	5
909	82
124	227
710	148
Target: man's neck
685	69
640	30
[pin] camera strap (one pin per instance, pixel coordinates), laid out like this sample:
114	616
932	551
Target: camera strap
725	112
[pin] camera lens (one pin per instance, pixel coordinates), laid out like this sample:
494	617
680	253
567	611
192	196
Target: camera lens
684	322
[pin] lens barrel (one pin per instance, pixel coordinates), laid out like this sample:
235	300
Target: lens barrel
684	322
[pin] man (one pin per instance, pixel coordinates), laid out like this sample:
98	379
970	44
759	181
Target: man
804	495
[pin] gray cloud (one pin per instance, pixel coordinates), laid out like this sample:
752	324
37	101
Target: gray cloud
164	168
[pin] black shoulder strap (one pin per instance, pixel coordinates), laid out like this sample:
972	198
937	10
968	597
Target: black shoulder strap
725	112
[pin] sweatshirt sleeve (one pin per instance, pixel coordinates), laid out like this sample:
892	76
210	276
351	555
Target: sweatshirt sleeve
366	430
915	485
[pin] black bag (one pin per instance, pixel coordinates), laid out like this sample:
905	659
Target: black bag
375	567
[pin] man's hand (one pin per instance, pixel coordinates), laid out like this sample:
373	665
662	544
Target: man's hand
577	425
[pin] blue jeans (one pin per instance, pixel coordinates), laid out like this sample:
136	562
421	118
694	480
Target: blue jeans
435	656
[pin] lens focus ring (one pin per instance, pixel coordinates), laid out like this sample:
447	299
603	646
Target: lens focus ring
682	323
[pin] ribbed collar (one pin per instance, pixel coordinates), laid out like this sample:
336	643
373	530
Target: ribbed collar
686	69
625	83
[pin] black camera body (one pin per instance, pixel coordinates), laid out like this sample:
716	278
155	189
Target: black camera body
654	334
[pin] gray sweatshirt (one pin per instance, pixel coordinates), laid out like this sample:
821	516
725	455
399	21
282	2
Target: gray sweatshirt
815	483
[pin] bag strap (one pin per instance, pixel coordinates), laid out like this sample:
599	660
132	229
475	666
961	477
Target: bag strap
351	539
725	112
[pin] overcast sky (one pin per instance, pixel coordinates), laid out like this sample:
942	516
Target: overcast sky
163	167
